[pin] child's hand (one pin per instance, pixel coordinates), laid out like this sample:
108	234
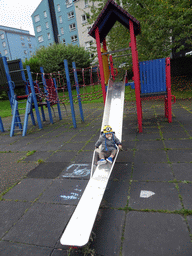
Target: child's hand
120	147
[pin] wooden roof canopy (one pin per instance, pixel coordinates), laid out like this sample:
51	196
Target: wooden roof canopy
111	13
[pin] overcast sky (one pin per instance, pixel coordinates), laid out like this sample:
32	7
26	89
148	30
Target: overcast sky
17	13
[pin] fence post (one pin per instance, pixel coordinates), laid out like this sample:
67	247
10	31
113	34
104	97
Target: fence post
78	92
47	95
70	93
34	97
168	83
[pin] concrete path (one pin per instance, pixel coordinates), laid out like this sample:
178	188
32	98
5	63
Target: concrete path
146	209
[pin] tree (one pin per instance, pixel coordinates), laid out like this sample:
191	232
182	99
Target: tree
165	24
51	58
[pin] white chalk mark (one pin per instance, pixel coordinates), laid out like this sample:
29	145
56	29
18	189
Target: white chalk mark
79	170
146	194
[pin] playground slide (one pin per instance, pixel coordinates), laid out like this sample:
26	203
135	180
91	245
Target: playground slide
80	225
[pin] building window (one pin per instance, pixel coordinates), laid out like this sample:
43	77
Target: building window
49	35
37	18
2	36
25	52
4	44
45	14
23	44
68	3
22	38
73	38
31	54
30	46
64	41
60	19
47	25
40	39
70	15
88	45
84	18
72	27
86	3
6	52
28	38
58	8
62	31
38	29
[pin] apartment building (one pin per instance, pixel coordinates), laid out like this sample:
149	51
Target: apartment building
54	21
16	43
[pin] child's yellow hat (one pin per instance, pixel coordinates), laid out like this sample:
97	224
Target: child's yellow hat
107	129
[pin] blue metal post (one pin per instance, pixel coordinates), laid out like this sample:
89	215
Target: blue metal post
58	105
78	92
1	125
47	96
34	97
70	93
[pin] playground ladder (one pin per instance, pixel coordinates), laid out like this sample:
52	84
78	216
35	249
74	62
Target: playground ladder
16	120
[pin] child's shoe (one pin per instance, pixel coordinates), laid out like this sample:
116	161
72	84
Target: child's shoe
101	161
110	160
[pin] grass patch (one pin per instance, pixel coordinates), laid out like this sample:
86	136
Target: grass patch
30	153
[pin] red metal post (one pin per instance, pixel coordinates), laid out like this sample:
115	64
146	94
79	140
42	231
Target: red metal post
136	74
104	45
168	84
100	63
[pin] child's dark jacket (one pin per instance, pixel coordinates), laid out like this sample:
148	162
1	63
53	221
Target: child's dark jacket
107	145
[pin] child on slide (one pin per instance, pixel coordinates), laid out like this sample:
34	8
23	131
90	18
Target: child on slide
109	142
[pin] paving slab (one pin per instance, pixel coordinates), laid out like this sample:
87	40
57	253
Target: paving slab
78	171
185	191
182	171
15	249
177	144
150	234
148	136
150	156
72	146
49	170
116	194
165	198
175	135
78	139
180	155
10	213
61	156
39	155
149	145
84	157
108	232
121	172
64	191
41	225
14	172
152	172
27	189
125	157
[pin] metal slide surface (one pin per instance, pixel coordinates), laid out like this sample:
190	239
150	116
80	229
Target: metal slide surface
79	228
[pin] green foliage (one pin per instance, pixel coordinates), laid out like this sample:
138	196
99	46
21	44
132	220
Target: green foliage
165	24
51	58
34	64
